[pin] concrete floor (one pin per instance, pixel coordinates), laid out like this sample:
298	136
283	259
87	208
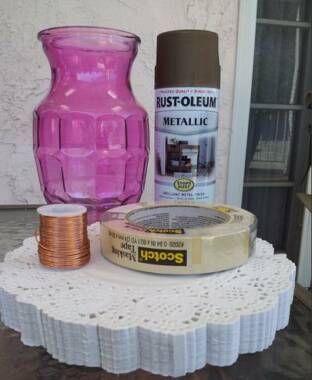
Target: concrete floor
290	356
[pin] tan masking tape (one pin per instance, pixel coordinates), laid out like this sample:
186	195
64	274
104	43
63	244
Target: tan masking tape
178	238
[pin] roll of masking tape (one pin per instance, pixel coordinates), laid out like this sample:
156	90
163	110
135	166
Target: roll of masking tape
178	238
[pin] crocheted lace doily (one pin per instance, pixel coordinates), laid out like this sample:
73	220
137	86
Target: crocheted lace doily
107	316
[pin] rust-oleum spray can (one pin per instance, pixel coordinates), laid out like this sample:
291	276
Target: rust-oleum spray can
187	82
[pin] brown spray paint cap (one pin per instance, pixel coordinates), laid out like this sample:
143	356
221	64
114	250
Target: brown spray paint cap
187	58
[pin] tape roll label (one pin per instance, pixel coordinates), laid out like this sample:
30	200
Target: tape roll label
162	256
148	250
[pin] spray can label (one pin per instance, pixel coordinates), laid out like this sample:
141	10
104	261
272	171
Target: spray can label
186	121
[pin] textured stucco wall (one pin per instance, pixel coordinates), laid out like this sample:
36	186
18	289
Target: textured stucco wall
25	71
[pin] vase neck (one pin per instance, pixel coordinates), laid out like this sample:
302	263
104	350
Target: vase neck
89	57
110	68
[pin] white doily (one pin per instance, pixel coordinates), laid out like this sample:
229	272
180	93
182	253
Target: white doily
107	316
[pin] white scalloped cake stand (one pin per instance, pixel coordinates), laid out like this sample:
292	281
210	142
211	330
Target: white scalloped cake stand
120	320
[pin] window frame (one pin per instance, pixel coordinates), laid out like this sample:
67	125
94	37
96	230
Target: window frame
247	21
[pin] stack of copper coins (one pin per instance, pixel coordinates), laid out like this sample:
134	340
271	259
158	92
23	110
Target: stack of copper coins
63	239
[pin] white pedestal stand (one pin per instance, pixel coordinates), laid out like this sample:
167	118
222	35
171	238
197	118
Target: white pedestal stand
106	316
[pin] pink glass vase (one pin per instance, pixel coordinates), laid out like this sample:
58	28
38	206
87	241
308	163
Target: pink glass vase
90	135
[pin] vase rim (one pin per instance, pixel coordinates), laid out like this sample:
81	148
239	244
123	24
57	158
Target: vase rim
97	30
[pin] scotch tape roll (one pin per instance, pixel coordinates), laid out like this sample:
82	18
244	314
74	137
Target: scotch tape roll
178	238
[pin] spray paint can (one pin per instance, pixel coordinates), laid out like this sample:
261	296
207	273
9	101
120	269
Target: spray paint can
187	83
